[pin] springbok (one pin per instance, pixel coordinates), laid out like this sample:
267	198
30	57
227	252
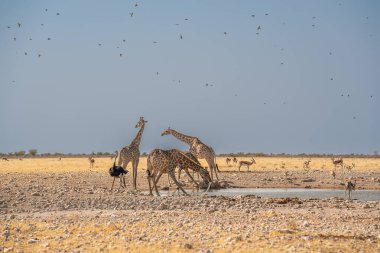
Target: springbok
349	186
228	160
247	163
337	161
306	164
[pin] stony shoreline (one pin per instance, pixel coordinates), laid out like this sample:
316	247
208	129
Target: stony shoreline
77	212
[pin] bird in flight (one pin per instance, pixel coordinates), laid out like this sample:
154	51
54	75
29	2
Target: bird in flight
19	24
121	55
39	55
131	14
46	9
206	84
136	5
99	44
42	24
49	39
9	27
258	28
253	15
123	40
180	36
26	53
154	42
331	79
225	33
58	14
157	73
14	38
266	14
186	19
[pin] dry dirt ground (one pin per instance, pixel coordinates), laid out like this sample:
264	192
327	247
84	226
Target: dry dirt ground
48	205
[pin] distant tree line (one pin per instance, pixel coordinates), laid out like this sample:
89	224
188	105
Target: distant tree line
34	153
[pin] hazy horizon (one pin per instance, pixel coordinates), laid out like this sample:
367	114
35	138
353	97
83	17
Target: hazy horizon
297	77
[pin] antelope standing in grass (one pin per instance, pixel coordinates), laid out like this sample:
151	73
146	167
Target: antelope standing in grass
333	174
92	162
228	160
306	164
5	159
349	187
349	167
337	161
235	160
247	163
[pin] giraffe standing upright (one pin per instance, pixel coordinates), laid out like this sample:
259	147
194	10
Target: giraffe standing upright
197	148
165	161
131	153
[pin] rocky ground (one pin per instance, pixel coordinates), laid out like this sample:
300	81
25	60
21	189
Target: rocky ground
77	212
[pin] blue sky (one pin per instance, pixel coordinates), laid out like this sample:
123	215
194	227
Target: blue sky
276	91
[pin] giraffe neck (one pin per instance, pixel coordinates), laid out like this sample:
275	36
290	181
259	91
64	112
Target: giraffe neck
136	141
182	137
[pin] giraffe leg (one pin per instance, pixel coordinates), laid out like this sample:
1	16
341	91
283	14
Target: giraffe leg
155	181
170	183
135	163
179	173
191	178
212	167
172	175
156	178
149	176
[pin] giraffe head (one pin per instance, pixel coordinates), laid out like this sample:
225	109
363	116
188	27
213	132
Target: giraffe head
141	122
166	132
205	175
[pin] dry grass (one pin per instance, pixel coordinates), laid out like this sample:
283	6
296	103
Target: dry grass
41	165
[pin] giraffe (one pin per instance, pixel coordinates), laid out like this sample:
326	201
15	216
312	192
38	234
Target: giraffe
131	153
180	168
165	161
197	148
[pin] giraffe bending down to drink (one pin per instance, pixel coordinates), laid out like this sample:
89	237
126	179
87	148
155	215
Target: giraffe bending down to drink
131	153
165	161
198	149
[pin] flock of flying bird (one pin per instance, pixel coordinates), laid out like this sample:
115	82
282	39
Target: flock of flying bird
181	37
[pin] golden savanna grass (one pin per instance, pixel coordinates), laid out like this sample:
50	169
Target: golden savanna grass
41	165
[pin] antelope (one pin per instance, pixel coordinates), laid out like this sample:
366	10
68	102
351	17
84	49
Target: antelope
349	167
349	186
228	160
337	161
5	159
92	161
306	164
235	160
246	163
333	174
